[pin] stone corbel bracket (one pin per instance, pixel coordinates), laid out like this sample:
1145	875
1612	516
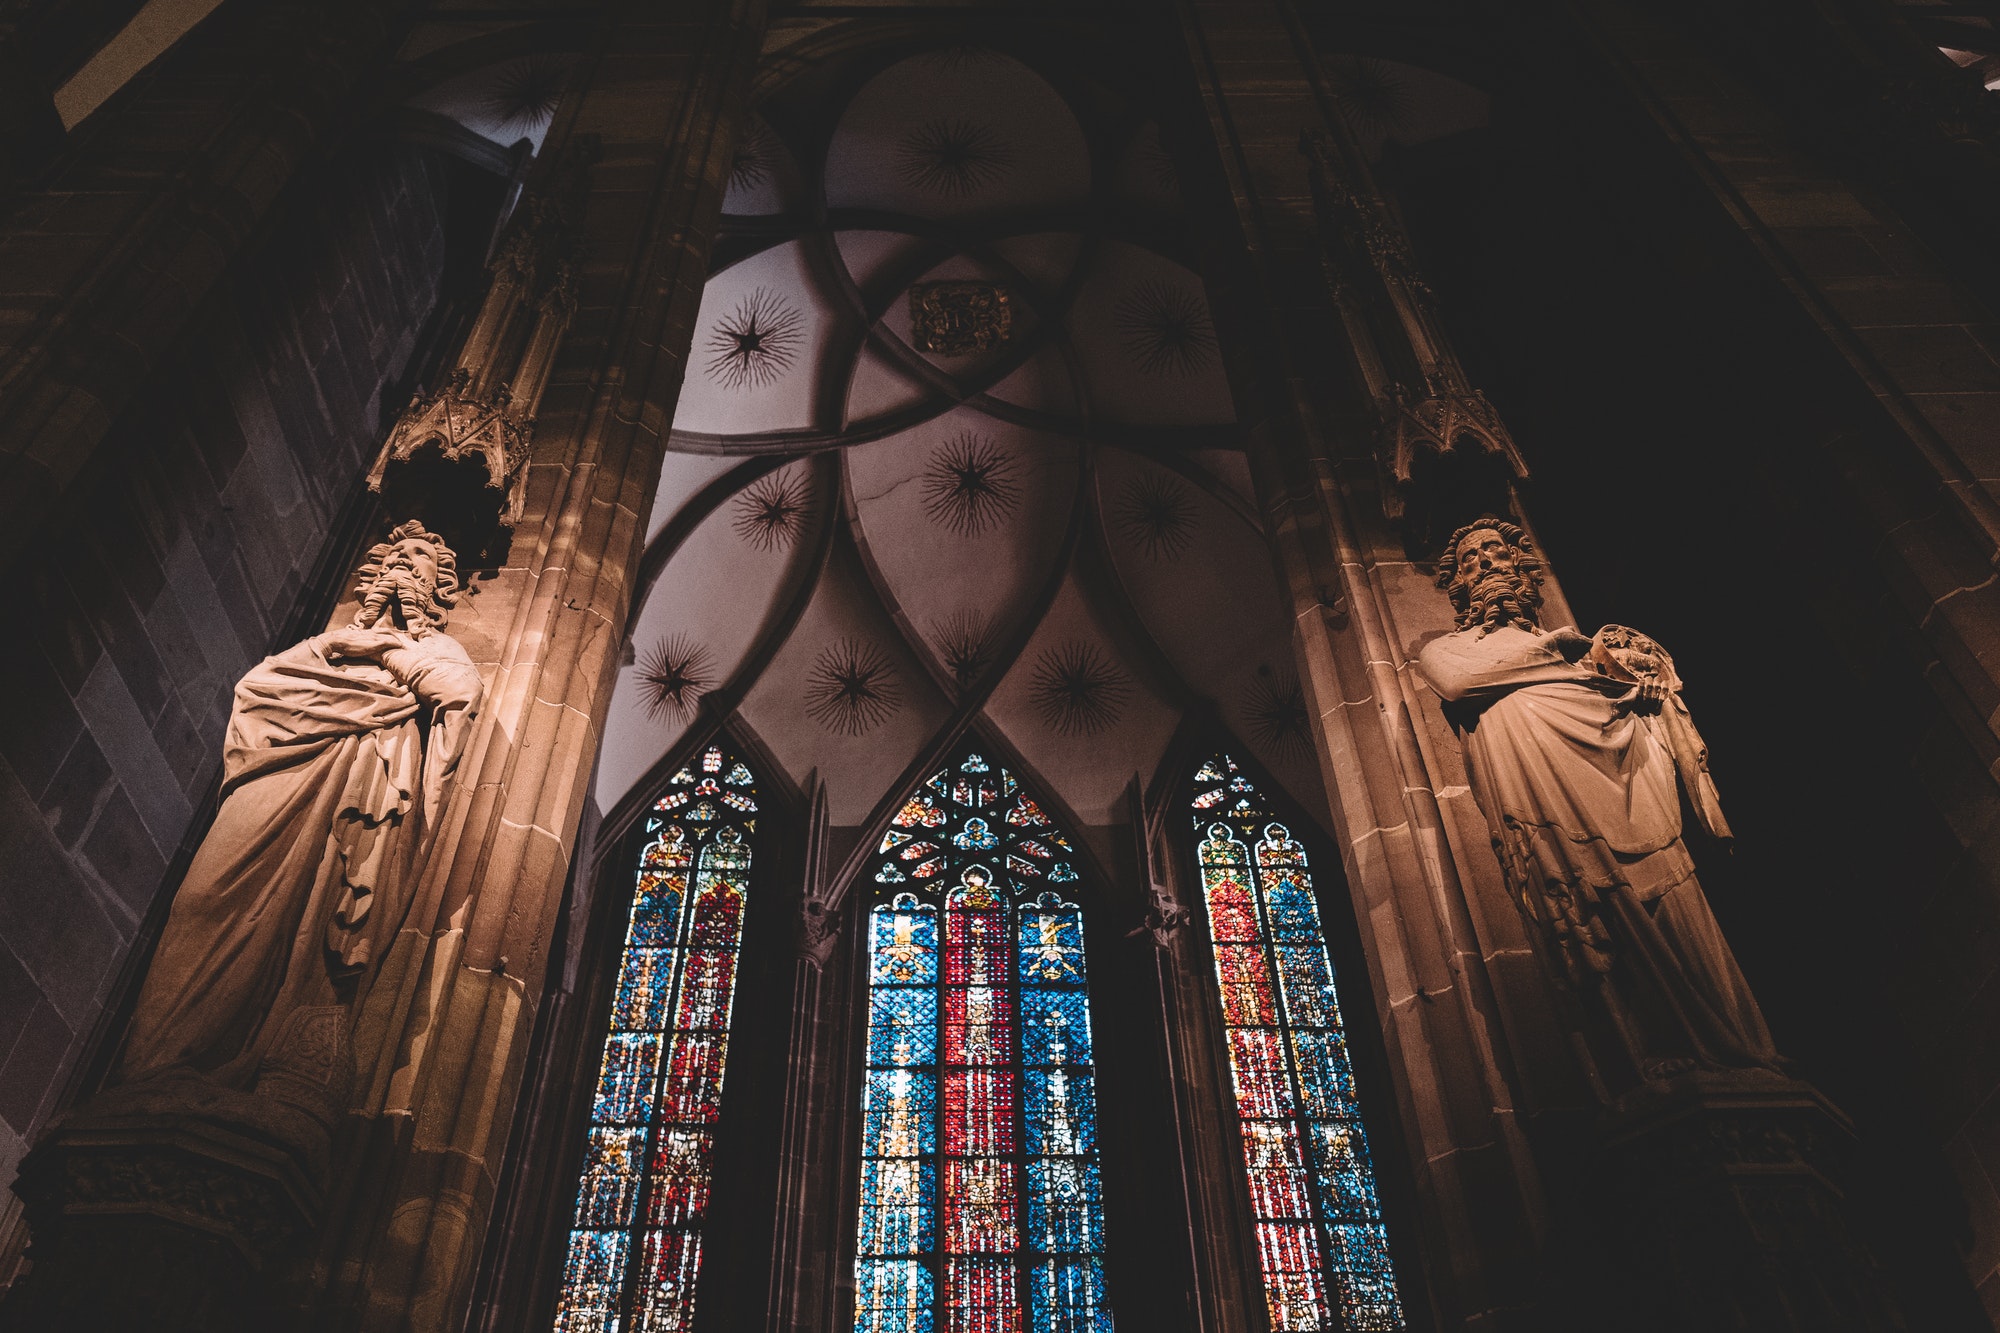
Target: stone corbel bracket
460	422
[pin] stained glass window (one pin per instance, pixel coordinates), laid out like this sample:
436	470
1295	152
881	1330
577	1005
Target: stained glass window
981	1208
1320	1239
635	1246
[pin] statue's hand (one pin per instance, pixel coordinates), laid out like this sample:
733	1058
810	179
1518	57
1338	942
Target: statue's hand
1646	697
366	643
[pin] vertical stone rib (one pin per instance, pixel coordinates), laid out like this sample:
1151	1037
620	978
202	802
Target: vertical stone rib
476	950
1448	1041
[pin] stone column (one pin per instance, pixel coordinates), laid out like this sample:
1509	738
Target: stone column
1468	1028
158	1216
449	1022
1550	1193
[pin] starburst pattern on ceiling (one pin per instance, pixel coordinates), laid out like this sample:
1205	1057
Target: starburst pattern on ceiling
851	688
772	514
1165	330
1274	706
756	343
1375	97
965	642
755	158
969	485
1153	159
952	157
1155	514
1076	690
672	676
526	93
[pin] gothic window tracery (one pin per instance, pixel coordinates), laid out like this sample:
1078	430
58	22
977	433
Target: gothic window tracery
981	1205
1322	1248
635	1243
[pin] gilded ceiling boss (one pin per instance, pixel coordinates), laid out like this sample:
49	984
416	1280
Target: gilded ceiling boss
334	764
1580	751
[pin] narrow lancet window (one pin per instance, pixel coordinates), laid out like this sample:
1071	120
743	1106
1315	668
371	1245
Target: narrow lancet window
981	1209
635	1246
1320	1239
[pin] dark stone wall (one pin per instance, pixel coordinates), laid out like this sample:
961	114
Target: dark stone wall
180	560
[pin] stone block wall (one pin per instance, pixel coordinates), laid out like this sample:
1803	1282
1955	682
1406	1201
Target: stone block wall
171	566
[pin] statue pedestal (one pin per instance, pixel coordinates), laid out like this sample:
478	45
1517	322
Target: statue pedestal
174	1209
1725	1191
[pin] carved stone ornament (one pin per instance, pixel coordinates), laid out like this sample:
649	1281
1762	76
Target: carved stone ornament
1164	918
1439	420
817	934
957	318
1581	755
1358	224
461	424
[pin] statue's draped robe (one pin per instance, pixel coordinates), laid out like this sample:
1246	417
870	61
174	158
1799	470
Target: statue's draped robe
1583	800
331	768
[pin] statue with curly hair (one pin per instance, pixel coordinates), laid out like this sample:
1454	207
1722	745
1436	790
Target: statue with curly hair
1582	757
334	768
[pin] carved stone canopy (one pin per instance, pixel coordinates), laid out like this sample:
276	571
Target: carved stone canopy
1447	457
477	440
1441	419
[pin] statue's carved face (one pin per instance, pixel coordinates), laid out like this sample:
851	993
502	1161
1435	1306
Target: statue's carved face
417	558
1491	583
1482	553
407	583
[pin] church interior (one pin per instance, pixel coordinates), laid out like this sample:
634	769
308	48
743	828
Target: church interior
939	666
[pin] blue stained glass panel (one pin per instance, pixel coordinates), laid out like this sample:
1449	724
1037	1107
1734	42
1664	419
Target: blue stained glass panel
593	1276
608	1195
1055	1027
979	1046
625	1084
899	1113
635	1255
1060	1111
1307	984
892	1296
902	1026
643	982
903	944
656	910
1065	1206
1325	1077
898	1205
1068	1296
1051	941
1282	1016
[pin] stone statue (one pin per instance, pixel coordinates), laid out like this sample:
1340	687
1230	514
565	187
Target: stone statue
1582	757
334	766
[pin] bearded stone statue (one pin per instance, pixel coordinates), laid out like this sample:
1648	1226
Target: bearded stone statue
334	766
1583	759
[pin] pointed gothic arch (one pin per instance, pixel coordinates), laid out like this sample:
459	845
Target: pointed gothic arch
980	1194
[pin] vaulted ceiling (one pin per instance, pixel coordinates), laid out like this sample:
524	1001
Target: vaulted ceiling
861	547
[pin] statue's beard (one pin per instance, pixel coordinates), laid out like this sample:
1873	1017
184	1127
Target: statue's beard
401	599
1500	597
